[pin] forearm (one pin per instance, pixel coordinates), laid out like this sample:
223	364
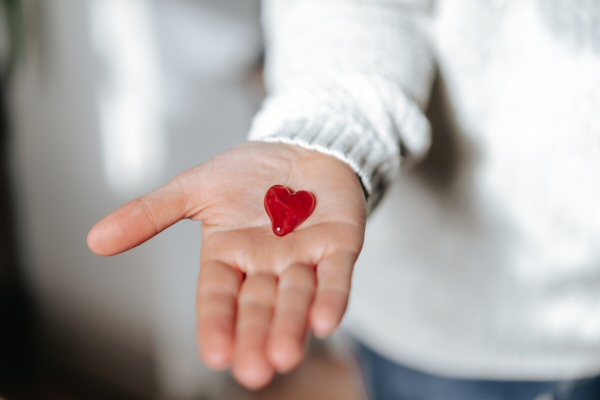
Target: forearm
347	78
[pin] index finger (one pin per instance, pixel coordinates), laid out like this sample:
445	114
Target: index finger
139	220
218	288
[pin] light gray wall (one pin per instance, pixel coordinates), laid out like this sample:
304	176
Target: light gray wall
134	312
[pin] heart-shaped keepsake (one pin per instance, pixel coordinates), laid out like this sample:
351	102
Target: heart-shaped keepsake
288	209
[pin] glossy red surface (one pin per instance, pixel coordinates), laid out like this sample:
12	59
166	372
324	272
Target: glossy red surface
288	209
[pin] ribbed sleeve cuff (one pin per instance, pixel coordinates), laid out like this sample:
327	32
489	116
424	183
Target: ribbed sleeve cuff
374	160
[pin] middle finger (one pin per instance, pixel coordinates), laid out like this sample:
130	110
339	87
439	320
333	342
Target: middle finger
255	310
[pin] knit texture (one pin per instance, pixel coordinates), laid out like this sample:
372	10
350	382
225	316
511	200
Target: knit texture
484	261
340	91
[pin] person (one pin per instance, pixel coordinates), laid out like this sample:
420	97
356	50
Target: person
480	277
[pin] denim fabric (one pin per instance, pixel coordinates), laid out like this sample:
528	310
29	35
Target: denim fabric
387	380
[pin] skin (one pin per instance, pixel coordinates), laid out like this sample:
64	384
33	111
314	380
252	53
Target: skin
258	294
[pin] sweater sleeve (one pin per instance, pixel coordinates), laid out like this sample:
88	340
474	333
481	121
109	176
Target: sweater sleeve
349	78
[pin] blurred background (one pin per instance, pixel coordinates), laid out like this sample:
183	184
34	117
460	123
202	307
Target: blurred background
103	100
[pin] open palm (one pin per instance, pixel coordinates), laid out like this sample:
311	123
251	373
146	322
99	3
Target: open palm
258	294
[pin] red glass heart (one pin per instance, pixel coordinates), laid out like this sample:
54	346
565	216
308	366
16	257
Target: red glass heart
288	209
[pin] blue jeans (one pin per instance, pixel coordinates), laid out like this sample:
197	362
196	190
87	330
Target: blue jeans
387	380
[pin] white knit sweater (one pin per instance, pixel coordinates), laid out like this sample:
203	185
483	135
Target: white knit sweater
484	260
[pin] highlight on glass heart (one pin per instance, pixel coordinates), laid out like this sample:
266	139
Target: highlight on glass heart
288	209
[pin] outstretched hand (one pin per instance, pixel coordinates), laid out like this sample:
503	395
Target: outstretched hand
258	294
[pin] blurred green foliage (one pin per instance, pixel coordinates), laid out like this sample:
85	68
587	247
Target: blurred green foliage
14	25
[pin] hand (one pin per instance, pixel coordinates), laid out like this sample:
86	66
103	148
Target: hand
258	294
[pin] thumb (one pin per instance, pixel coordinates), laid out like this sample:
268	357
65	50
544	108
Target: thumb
139	220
